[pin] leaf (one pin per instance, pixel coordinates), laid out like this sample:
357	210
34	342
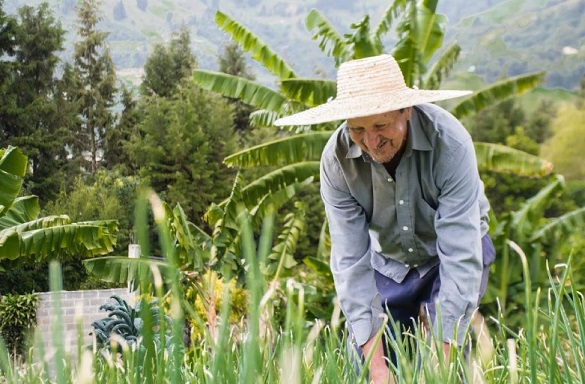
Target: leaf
13	161
571	222
22	210
390	14
524	220
44	222
47	243
292	149
9	244
500	158
263	118
330	41
248	91
318	266
406	50
122	269
12	170
284	249
312	92
431	28
442	67
276	180
257	48
324	247
361	40
496	93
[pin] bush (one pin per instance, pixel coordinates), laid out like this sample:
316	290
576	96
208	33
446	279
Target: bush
18	315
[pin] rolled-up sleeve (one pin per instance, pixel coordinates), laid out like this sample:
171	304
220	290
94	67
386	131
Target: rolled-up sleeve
459	241
350	253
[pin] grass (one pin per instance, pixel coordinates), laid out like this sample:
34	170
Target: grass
550	348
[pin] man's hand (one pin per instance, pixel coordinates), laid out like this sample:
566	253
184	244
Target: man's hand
379	372
447	347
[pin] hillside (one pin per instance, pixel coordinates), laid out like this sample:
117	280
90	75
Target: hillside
499	37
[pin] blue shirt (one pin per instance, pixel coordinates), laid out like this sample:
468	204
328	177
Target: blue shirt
435	211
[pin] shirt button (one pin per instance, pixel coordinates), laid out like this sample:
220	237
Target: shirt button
410	250
416	265
401	202
390	180
407	266
405	228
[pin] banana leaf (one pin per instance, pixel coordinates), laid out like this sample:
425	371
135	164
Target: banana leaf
292	149
311	92
500	158
13	165
571	222
23	209
248	91
496	93
257	48
330	41
122	269
442	67
46	243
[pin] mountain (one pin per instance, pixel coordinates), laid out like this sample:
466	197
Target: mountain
498	37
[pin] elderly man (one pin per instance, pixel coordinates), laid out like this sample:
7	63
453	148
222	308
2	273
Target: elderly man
405	204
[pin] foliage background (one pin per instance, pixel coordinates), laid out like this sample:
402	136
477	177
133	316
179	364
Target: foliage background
499	37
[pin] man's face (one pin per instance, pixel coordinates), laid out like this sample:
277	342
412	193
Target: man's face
382	135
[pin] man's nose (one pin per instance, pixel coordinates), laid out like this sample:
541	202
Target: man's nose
371	139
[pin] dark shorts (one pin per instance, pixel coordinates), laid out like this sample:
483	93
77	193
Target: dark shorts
403	300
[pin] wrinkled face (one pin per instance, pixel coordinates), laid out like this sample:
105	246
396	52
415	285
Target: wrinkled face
381	136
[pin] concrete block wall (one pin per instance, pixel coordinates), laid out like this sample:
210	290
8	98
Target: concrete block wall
78	308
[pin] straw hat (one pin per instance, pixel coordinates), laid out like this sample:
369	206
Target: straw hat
367	87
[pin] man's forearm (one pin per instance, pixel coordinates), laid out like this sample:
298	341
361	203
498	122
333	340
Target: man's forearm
379	372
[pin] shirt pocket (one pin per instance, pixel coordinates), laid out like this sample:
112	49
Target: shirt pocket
424	222
424	219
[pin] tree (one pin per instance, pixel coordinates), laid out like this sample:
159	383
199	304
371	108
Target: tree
181	142
564	147
35	117
115	154
168	65
8	25
94	92
495	124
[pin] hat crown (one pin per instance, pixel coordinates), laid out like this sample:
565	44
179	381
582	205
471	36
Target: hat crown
369	76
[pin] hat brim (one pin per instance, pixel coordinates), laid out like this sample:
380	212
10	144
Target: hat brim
350	108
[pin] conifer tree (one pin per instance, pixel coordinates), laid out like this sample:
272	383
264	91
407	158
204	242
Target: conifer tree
168	65
94	95
33	114
8	30
115	154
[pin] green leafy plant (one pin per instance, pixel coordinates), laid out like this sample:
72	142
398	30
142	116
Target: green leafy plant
18	315
540	238
26	237
297	353
127	323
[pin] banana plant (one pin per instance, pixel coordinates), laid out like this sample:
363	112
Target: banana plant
198	252
24	236
420	30
538	237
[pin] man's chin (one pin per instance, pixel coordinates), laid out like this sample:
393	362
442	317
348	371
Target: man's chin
381	159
